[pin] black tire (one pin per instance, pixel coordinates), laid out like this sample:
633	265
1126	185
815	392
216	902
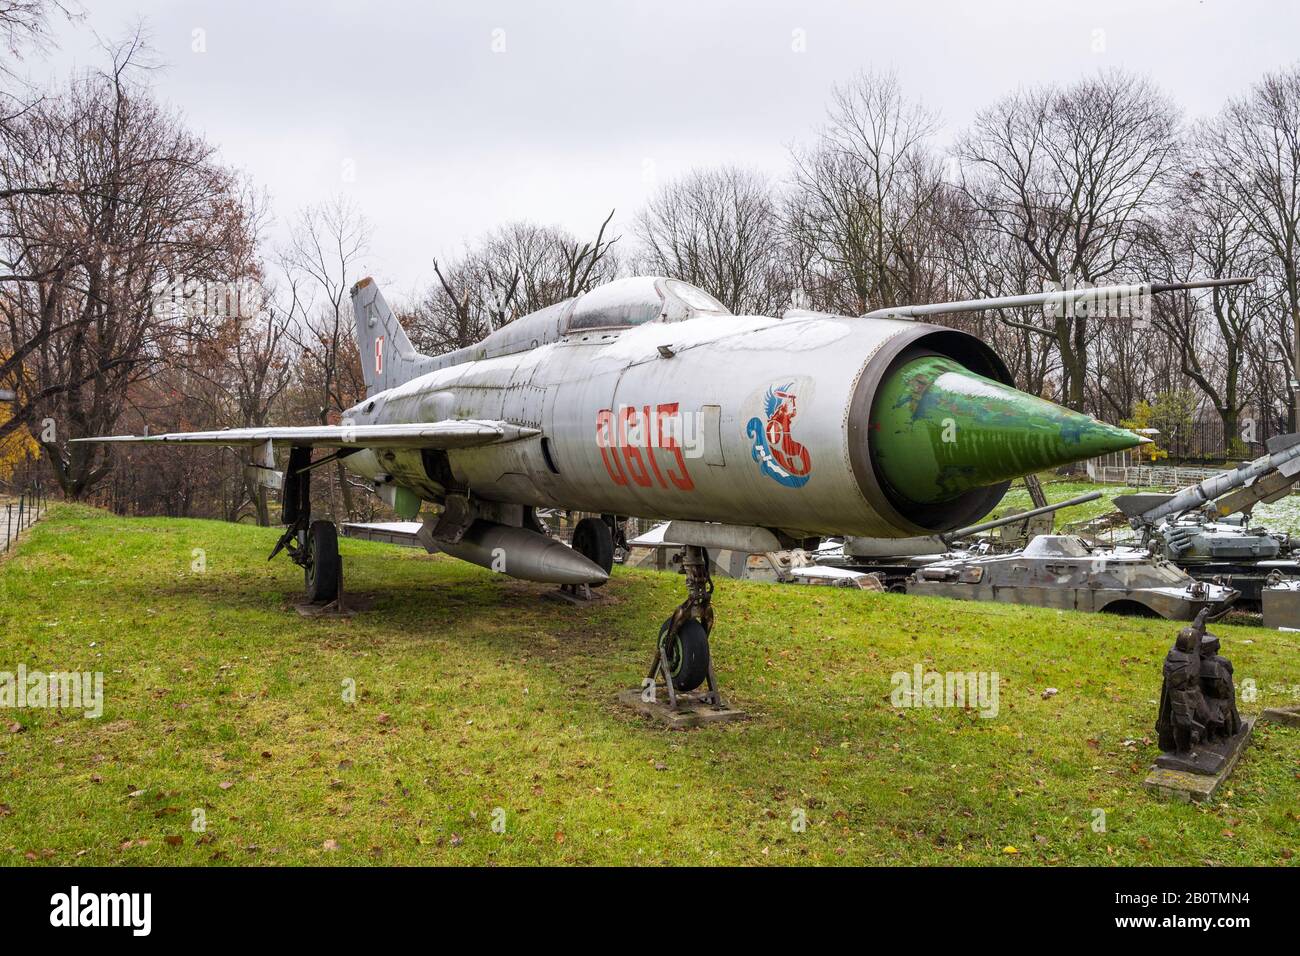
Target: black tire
592	539
686	656
324	567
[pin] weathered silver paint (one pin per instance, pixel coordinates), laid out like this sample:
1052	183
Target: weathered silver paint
532	416
726	537
720	369
431	433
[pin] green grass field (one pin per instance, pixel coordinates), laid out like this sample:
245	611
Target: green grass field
1059	489
479	701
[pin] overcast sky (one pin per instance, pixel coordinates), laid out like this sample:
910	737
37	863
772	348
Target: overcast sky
445	119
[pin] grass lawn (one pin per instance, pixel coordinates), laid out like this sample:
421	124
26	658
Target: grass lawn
478	701
1059	489
1282	515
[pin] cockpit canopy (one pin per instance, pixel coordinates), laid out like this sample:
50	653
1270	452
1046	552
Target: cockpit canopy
620	304
635	301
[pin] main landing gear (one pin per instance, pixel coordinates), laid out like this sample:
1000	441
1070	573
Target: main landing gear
312	545
594	539
321	565
682	657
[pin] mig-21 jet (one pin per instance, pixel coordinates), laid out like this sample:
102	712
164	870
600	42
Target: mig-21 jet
645	397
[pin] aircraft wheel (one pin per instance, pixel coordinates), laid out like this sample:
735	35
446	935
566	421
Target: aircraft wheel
686	655
324	567
592	539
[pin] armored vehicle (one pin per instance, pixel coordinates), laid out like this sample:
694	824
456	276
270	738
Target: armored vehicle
1227	551
893	561
1205	528
1063	571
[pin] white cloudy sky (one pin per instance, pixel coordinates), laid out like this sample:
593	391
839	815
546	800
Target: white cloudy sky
592	101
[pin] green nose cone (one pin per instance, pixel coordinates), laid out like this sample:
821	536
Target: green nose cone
939	430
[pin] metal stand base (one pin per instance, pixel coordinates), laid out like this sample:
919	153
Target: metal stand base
339	607
691	710
578	595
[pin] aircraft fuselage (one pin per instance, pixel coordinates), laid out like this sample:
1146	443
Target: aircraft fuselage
743	420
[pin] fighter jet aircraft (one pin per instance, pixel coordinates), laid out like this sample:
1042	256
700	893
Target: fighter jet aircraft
645	397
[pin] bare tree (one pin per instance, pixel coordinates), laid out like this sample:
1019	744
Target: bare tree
1254	148
863	197
262	365
1205	234
1071	174
25	27
720	229
982	264
320	267
517	269
143	205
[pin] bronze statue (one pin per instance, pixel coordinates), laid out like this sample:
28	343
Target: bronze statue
1198	722
1180	723
1217	689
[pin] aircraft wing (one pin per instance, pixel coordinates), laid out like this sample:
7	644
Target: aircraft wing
444	434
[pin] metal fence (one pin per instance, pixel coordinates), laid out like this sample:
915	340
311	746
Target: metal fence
1148	476
23	512
1204	439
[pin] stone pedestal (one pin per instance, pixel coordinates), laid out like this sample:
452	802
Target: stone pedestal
1287	716
1199	777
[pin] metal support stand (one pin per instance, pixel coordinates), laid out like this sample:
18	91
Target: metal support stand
578	595
337	605
698	605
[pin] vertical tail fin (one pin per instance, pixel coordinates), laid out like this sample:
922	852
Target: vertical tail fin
387	356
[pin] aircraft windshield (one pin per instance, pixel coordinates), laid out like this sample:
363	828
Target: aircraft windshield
695	298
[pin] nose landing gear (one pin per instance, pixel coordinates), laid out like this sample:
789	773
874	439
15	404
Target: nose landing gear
682	658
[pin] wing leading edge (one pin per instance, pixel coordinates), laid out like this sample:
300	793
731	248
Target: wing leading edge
445	434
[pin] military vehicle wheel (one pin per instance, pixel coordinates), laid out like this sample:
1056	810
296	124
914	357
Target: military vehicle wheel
593	540
323	567
686	656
